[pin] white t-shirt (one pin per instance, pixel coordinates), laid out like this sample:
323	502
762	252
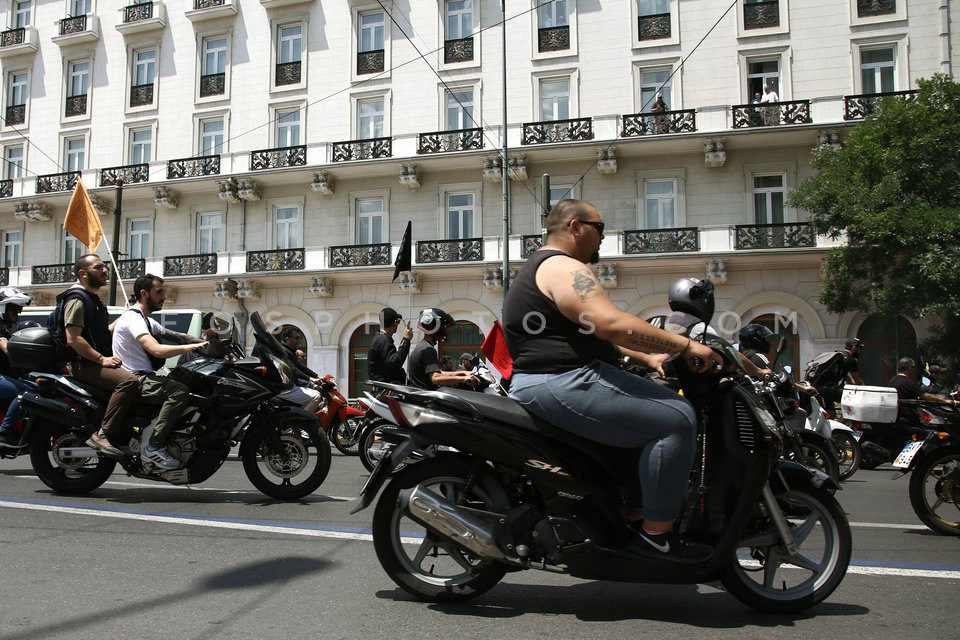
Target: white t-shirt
130	326
770	96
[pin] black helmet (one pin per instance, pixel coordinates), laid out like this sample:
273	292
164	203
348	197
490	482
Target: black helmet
435	320
692	296
755	336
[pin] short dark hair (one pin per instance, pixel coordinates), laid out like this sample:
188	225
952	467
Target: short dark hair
563	212
83	263
905	364
146	283
854	342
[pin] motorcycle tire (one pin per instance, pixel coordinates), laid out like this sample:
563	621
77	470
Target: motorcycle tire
848	452
293	472
371	445
423	563
346	435
73	476
935	490
764	577
816	452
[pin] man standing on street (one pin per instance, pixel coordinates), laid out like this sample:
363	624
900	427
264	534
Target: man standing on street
384	359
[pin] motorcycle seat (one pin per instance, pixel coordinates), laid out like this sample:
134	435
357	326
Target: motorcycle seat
509	411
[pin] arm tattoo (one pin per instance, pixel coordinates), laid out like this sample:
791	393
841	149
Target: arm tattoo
583	285
652	344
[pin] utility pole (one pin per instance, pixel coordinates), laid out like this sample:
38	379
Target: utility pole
112	292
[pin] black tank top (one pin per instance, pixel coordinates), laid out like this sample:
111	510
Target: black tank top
539	337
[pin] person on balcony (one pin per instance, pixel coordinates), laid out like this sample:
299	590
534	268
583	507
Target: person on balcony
660	121
771	113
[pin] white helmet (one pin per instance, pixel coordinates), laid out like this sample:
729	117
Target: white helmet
12	295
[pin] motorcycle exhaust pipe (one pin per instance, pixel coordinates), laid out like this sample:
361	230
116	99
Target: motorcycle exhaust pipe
447	519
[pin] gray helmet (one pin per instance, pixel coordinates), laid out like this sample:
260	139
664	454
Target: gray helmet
755	336
435	320
692	296
12	295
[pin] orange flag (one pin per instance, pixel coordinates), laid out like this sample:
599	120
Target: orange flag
495	348
82	220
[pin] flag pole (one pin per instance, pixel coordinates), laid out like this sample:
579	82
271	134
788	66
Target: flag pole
112	293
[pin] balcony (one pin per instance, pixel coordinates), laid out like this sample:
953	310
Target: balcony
653	27
6	188
761	15
16	42
142	16
557	131
456	140
370	61
141	95
128	174
16	114
466	250
277	158
211	9
647	241
530	245
773	236
288	73
56	182
360	255
553	39
871	8
78	30
131	269
214	84
52	273
201	264
866	104
75	106
771	114
193	167
646	124
276	260
459	50
368	149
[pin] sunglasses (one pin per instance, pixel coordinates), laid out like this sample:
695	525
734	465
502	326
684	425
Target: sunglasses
599	226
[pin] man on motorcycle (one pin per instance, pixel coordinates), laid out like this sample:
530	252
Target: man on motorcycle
12	301
909	388
135	342
424	369
565	336
384	359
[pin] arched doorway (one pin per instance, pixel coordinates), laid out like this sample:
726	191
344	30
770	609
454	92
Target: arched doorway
465	337
360	341
883	346
791	350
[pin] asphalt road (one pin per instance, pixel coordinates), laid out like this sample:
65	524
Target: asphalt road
136	559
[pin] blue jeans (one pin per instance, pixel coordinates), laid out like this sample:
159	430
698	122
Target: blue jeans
10	388
605	404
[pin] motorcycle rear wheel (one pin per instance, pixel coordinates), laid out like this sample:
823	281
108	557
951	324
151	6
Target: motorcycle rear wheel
63	474
296	470
346	435
848	451
371	444
427	565
816	452
765	577
935	491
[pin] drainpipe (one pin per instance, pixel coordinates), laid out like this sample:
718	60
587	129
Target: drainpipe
946	46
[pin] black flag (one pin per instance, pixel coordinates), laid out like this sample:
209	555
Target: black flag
404	261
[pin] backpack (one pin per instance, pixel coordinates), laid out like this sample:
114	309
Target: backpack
824	369
55	321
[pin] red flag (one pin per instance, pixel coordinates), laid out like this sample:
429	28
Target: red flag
495	348
82	220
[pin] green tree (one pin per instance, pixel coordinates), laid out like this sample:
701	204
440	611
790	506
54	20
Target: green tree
894	189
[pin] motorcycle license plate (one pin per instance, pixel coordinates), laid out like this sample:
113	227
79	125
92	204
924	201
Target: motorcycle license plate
909	451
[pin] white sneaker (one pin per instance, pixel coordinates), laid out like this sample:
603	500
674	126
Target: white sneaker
160	457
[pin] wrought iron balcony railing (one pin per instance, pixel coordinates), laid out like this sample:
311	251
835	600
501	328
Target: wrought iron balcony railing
4	276
646	124
276	158
6	188
761	15
771	114
213	84
870	8
207	4
288	73
55	182
774	236
276	260
13	37
653	27
362	149
75	106
138	12
557	131
458	140
360	255
52	273
553	39
684	239
466	250
16	114
141	95
192	167
200	264
459	50
530	245
128	174
131	269
73	24
860	106
370	61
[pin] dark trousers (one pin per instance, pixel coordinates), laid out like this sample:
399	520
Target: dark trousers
124	385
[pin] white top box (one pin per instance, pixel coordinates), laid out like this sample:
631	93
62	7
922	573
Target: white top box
869	404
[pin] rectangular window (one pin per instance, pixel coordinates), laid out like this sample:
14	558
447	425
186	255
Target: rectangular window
769	195
371	31
74	154
287	227
460	216
878	71
459	109
653	7
214	56
552	14
288	128
555	99
559	192
660	203
144	67
140	146
79	79
17	91
139	239
13	162
22	12
370	221
72	248
762	72
370	118
289	44
11	249
652	82
211	137
81	7
209	232
459	19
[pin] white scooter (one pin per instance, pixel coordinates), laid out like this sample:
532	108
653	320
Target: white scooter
843	438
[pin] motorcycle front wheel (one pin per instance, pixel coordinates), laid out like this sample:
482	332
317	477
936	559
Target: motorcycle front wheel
848	452
423	563
935	491
295	469
346	435
53	457
816	452
764	576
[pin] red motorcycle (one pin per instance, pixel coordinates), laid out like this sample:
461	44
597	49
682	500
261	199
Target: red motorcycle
341	422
